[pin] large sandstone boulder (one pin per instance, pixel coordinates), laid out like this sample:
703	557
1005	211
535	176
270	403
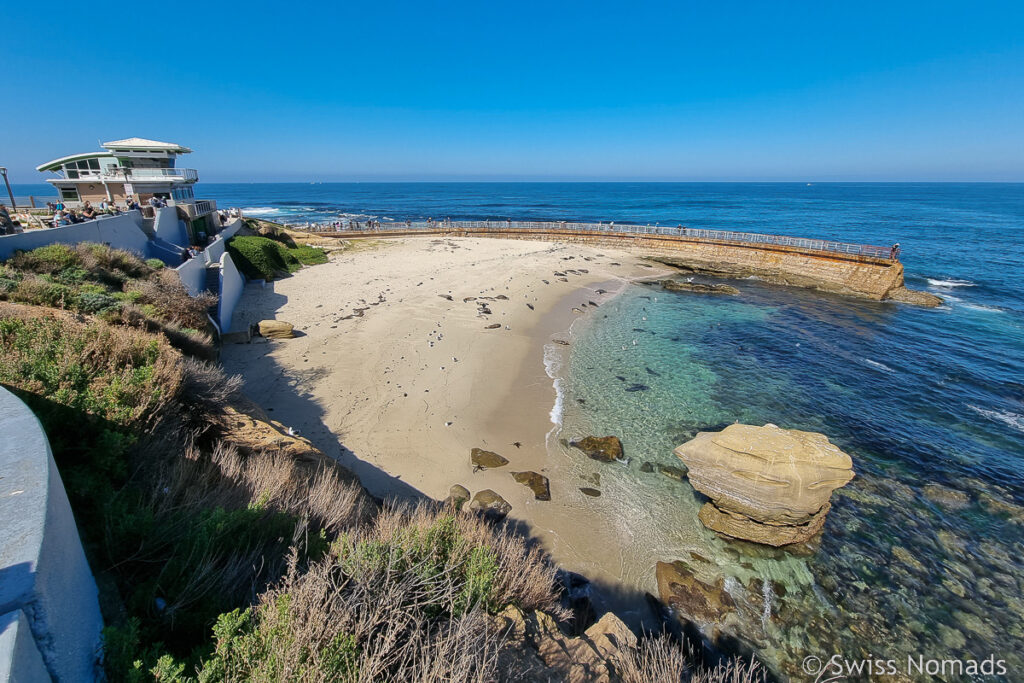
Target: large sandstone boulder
276	329
457	496
490	505
483	460
766	484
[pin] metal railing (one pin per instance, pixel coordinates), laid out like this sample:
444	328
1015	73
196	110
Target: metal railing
151	173
129	174
614	228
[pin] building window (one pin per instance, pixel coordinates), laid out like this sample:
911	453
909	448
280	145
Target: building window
69	194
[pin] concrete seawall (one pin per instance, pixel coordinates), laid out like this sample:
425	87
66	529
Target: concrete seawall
50	619
848	274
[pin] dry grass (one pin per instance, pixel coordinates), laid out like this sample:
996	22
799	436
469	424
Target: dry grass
163	290
228	480
524	577
661	659
320	625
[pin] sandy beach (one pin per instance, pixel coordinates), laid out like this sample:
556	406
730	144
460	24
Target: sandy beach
397	374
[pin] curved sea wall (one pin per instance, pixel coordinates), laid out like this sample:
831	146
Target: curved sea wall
50	618
849	274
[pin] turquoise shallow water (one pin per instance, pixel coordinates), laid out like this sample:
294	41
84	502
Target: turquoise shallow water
896	572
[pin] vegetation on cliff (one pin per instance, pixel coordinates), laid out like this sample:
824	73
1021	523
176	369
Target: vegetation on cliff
271	252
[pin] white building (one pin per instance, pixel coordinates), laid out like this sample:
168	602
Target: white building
133	167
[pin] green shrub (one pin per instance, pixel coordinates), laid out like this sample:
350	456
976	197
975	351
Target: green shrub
261	258
48	259
154	263
73	276
94	303
309	256
38	291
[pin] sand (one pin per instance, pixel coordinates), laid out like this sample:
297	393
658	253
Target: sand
399	383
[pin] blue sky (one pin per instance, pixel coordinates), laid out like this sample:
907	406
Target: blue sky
525	90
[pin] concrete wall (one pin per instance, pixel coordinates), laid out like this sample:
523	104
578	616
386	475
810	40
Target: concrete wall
861	276
123	232
170	228
231	286
193	275
20	660
216	248
44	576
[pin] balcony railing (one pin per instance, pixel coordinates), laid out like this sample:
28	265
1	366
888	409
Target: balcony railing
152	173
197	208
135	174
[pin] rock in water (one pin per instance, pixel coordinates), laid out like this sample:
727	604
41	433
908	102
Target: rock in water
603	448
276	329
490	505
486	459
538	483
766	484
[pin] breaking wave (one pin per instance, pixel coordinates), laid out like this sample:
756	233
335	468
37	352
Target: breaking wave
1013	420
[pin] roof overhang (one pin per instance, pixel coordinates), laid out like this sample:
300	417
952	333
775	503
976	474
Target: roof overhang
57	163
145	145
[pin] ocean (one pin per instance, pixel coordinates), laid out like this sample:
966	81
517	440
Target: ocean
923	553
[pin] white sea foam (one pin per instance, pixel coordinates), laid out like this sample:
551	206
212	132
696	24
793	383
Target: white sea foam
876	364
983	308
949	284
260	211
1014	420
552	366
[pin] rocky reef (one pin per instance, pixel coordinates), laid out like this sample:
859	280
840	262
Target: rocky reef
697	287
766	484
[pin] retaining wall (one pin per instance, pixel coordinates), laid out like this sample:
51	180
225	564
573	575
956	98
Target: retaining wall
864	276
216	248
193	275
49	610
168	227
123	231
232	284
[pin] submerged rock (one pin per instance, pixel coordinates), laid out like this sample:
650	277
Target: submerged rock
490	505
538	483
486	459
677	473
603	448
697	287
587	491
766	484
688	596
915	297
946	497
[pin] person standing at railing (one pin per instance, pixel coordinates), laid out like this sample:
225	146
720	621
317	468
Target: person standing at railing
6	224
894	253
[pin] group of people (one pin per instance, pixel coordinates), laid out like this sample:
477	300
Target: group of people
8	226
